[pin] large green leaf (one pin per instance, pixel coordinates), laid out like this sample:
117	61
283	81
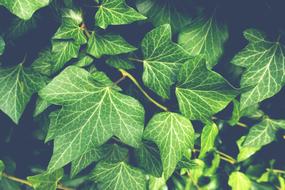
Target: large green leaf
205	36
162	60
17	85
108	45
263	133
116	12
46	181
202	92
208	137
118	176
239	181
264	62
173	134
91	110
161	12
24	8
70	28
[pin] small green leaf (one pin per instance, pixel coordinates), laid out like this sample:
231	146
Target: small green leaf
2	45
206	37
70	28
108	45
24	9
84	61
202	92
62	52
90	109
46	181
161	12
173	134
148	158
86	159
2	167
208	138
116	12
264	62
118	176
239	181
120	62
162	60
244	151
263	133
43	64
18	84
41	106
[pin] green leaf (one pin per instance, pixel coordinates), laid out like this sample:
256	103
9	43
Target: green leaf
24	9
62	52
2	45
84	61
20	27
108	45
173	134
18	84
43	64
53	117
120	62
70	28
162	60
263	133
244	151
9	185
157	183
239	181
202	92
264	62
86	159
2	167
206	37
161	12
115	153
116	12
208	138
148	159
41	106
92	110
46	181
118	176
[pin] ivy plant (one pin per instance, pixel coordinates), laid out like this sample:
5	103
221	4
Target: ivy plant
141	94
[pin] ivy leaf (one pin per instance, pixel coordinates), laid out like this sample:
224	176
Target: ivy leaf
43	64
62	52
84	60
92	110
116	12
164	12
115	153
205	36
41	106
264	62
2	167
239	181
108	45
263	133
118	176
85	160
2	45
24	9
120	62
20	27
148	158
18	84
46	181
202	92
53	117
162	60
173	134
208	137
70	28
245	151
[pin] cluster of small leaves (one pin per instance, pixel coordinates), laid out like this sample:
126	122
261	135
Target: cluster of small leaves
124	143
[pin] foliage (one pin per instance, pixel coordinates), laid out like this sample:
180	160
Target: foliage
142	94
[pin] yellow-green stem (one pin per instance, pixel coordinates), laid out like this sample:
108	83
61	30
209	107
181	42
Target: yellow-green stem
125	73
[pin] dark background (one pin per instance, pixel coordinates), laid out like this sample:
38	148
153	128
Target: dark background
19	143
